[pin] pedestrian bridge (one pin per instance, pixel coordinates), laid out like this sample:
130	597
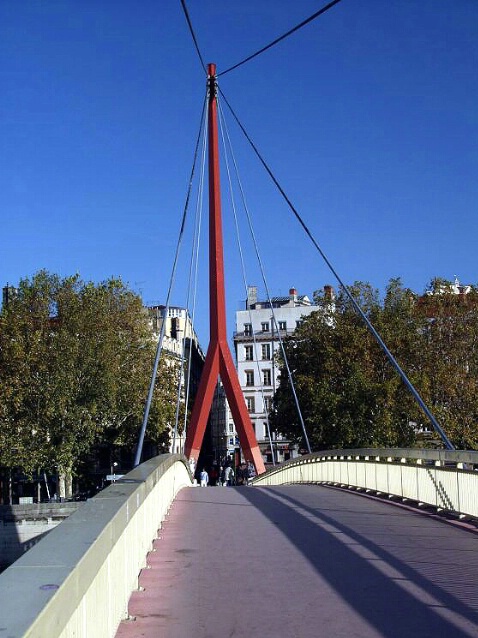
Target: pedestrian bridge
363	542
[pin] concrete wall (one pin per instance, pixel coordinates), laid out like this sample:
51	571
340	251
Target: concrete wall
447	480
22	526
78	579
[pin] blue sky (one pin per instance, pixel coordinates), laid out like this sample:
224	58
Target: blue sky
368	117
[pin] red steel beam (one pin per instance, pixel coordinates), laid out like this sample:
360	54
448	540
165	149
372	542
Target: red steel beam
219	360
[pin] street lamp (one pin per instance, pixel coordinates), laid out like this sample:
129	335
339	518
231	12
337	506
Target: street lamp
113	472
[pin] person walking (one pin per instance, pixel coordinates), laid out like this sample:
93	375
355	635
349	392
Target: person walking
228	476
251	473
204	478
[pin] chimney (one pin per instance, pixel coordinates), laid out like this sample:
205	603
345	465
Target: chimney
329	293
251	297
293	295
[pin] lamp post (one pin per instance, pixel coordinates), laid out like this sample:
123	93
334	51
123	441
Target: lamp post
113	473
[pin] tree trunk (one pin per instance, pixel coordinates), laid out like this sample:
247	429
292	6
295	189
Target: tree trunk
65	482
61	485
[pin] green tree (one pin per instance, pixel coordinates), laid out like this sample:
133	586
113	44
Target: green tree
75	365
350	395
450	359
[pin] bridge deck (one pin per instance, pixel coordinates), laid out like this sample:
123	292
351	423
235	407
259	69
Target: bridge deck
299	561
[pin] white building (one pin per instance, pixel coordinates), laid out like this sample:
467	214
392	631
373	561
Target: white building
181	341
256	341
454	288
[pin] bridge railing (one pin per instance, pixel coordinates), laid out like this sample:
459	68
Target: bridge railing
78	579
443	479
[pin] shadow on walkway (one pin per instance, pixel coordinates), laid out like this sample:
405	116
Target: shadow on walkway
10	546
405	573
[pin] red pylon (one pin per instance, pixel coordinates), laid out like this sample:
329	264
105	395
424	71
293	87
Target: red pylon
219	362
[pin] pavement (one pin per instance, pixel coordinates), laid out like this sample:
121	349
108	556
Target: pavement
304	560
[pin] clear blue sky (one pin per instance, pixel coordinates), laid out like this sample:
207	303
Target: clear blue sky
368	117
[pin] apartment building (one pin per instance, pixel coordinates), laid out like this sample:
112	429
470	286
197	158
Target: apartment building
181	341
259	329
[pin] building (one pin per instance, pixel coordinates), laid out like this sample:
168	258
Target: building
180	340
446	298
259	330
442	287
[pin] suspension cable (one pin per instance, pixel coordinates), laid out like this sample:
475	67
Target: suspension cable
193	35
282	37
159	347
183	341
241	254
223	127
261	266
193	268
354	303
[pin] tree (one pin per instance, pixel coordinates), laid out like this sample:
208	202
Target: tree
450	357
75	365
350	395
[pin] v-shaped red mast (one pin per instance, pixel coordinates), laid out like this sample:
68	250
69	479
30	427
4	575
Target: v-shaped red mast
219	361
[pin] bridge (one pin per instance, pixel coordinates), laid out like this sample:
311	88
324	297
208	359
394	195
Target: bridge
367	543
362	542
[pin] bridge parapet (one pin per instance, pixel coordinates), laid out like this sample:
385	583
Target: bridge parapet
78	579
446	480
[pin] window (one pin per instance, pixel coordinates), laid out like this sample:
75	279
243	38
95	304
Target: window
298	323
249	377
231	441
248	329
267	404
231	427
282	325
266	351
266	377
250	403
249	353
265	326
174	328
266	431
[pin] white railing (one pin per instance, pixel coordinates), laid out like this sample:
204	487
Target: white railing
440	478
76	582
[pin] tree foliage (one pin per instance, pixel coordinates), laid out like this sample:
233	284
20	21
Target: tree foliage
75	366
348	392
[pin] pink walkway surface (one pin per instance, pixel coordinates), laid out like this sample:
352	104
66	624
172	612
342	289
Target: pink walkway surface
304	561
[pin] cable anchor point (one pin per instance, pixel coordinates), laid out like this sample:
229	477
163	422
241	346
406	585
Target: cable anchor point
212	81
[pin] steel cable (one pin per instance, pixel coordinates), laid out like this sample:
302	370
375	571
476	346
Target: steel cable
264	279
353	301
282	37
159	347
193	35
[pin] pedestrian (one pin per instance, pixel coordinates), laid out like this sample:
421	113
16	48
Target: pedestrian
251	472
228	475
213	475
204	478
240	474
220	475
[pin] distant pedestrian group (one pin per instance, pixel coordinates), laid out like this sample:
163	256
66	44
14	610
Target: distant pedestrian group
225	476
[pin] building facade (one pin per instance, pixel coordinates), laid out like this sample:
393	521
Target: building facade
180	340
259	330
